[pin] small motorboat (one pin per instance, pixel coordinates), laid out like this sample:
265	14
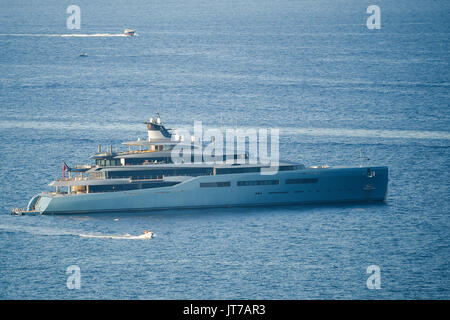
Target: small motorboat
83	54
129	32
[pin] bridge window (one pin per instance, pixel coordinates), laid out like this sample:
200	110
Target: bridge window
257	183
215	184
301	181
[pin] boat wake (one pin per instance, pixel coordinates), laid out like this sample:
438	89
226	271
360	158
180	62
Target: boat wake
93	35
125	236
369	133
286	131
64	35
46	231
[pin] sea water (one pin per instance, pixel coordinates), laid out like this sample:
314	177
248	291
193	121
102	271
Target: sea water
310	68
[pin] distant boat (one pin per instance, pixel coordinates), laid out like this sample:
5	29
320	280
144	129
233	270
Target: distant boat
129	32
83	54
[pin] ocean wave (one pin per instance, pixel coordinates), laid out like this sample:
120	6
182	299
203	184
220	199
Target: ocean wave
286	131
369	133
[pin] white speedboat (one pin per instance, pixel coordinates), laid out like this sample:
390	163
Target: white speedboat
129	32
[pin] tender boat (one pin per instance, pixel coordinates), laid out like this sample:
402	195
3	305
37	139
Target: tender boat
129	32
147	235
148	179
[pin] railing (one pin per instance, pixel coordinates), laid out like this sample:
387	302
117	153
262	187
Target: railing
73	179
148	179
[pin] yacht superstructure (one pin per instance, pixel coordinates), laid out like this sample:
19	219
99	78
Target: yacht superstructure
148	179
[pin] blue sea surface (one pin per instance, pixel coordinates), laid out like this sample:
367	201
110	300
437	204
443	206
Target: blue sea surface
310	68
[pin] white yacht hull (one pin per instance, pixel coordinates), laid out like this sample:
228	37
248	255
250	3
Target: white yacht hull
329	185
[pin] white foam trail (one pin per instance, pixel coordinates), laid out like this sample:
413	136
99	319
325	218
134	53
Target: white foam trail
95	35
125	236
64	35
45	231
369	133
287	131
61	125
362	133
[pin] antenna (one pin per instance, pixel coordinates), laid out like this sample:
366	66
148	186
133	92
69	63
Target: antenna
361	157
235	117
158	119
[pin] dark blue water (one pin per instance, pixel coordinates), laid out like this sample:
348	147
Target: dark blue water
310	68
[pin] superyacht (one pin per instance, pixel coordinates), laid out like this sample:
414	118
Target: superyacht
145	178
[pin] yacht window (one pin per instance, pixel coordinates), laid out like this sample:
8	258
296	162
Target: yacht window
214	184
257	182
237	170
289	168
301	181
